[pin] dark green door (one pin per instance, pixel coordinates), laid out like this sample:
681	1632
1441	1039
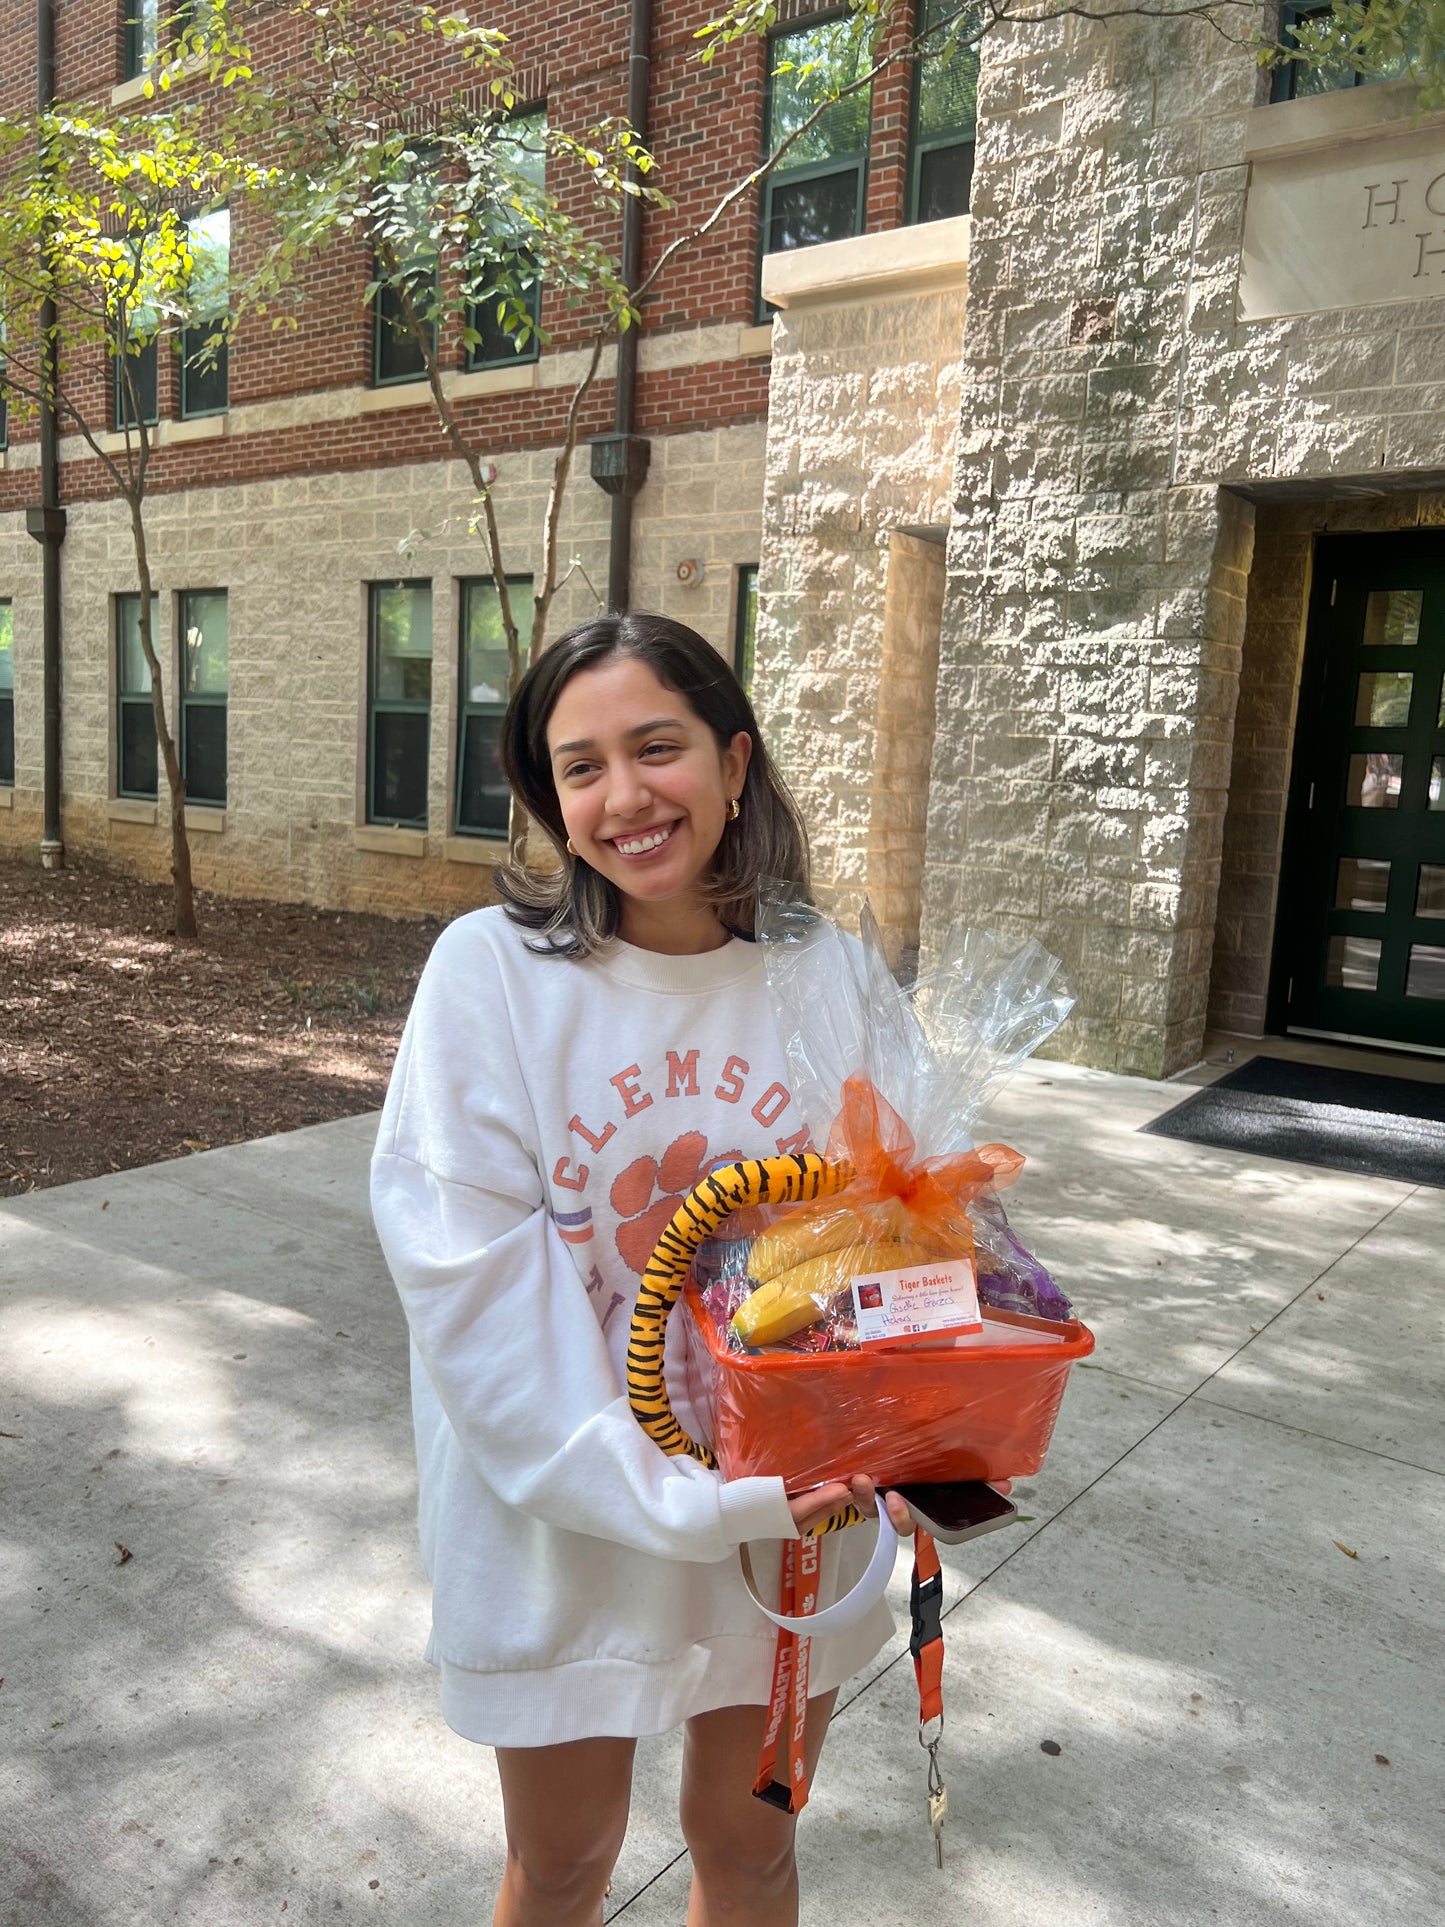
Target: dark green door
1360	940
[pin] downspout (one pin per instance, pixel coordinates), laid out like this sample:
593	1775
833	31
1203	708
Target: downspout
620	460
47	523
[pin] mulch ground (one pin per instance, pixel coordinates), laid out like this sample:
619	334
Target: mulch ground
119	1046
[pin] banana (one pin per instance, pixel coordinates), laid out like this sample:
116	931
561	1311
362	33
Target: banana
801	1295
813	1234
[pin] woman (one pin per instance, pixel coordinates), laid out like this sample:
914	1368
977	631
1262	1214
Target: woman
574	1062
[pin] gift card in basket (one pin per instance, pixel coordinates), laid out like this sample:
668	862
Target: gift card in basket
918	1303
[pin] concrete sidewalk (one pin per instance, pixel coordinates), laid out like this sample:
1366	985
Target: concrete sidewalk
204	1362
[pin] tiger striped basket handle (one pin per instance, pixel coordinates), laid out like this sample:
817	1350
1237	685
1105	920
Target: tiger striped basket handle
732	1187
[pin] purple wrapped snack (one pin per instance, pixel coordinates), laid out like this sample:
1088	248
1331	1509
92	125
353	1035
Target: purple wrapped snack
1009	1277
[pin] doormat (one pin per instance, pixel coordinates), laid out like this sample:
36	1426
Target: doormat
1379	1127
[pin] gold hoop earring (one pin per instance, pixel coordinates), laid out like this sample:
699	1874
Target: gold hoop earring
571	847
735	809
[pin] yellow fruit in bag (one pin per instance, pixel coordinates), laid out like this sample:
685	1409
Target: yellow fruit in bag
814	1234
802	1295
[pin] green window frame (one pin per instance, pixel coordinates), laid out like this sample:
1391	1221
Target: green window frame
818	192
943	124
745	626
205	347
483	798
136	761
205	651
489	344
398	703
7	694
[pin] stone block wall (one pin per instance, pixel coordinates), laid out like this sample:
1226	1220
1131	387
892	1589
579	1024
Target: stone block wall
1118	423
295	555
862	421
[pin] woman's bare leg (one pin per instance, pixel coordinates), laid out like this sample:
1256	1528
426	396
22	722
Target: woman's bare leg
566	1814
742	1849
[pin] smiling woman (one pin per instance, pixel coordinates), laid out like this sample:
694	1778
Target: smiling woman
634	746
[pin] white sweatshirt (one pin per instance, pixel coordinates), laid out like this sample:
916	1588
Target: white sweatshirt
544	1119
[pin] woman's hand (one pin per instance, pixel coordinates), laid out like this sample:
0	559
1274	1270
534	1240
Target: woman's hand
810	1509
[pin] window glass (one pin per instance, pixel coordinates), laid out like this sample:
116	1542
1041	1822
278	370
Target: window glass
805	64
399	731
1392	618
205	353
142	35
1353	963
137	400
1425	975
7	694
205	642
205	675
1373	782
403	642
135	673
483	796
1383	700
407	213
1430	891
137	761
1437	784
746	627
1362	883
522	149
1296	81
945	112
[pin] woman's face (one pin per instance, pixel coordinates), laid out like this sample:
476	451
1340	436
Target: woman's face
643	785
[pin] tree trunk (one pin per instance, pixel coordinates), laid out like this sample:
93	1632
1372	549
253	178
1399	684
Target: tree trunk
185	905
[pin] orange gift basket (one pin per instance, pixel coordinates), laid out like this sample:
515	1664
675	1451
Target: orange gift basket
774	1258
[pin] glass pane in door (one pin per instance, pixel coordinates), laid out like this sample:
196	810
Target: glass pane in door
1426	976
1430	891
1374	781
1353	963
1362	883
1437	784
1392	617
1382	699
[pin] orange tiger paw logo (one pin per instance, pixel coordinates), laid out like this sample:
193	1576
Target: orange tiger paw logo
645	1215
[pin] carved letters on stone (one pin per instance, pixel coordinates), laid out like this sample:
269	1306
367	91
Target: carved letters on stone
1350	227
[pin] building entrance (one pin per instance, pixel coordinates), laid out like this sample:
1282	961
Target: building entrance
1360	934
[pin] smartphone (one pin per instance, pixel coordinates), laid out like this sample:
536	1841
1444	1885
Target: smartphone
963	1510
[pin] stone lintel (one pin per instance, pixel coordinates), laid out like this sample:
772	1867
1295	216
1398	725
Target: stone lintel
900	261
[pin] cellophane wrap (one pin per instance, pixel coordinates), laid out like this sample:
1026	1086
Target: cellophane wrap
893	1082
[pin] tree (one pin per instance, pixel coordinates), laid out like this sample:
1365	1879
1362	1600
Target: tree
105	216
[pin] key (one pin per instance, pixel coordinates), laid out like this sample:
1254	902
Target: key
937	1813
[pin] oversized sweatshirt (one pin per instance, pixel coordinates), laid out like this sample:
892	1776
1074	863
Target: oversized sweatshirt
544	1119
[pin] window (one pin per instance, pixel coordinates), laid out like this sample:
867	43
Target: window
1295	81
399	703
945	113
141	361
205	351
7	694
524	148
142	20
135	724
745	626
205	681
396	354
816	192
483	798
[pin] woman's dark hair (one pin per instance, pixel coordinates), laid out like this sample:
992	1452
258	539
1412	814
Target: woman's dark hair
574	909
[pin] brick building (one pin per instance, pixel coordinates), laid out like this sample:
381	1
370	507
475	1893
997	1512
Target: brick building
1096	525
337	703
